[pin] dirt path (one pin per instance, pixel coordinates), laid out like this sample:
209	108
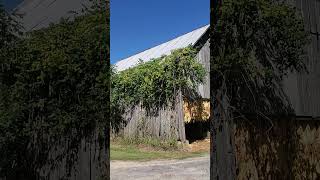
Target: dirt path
186	169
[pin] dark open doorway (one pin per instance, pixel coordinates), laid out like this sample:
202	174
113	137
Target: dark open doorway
197	130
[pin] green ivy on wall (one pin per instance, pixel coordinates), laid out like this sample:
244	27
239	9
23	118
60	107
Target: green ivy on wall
155	84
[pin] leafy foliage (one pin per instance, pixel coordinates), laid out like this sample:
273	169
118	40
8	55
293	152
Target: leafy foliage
54	93
9	32
155	84
9	27
256	43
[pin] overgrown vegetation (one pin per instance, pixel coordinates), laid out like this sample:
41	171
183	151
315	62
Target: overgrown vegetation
54	92
254	44
148	141
149	149
133	153
155	84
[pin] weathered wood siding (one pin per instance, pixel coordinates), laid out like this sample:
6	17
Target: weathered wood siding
161	126
204	58
165	125
90	162
304	89
288	150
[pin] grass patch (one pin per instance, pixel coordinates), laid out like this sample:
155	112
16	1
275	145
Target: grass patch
144	150
167	145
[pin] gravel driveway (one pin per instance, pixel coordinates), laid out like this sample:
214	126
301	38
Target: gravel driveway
186	169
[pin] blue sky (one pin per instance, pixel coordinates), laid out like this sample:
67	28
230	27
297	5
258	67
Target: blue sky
137	25
10	4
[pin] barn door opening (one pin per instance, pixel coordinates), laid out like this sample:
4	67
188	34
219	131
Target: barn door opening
196	117
197	130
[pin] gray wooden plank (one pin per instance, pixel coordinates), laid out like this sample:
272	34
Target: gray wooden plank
316	77
305	14
317	15
204	58
312	15
298	4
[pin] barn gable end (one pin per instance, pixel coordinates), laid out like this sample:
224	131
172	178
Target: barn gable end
198	38
167	123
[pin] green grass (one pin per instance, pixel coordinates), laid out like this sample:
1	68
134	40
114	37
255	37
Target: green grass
134	153
147	142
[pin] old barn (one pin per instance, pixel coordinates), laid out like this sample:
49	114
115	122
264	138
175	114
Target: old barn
165	124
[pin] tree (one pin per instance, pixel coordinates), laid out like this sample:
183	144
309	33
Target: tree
255	43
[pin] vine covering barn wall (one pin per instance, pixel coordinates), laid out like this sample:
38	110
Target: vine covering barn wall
166	122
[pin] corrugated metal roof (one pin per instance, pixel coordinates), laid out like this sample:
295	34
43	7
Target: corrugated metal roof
163	49
38	14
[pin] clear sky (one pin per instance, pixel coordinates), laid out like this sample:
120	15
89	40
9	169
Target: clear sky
10	4
137	25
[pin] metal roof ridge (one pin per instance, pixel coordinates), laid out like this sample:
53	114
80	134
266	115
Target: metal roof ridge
192	31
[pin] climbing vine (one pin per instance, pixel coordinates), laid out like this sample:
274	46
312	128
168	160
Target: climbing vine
155	84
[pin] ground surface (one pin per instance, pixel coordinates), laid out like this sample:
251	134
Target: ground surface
184	169
127	152
145	163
